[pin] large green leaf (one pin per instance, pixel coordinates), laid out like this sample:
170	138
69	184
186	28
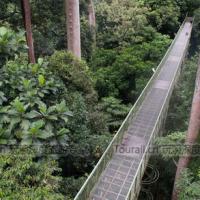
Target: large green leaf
3	31
3	141
33	114
41	80
42	108
63	131
25	124
45	135
40	61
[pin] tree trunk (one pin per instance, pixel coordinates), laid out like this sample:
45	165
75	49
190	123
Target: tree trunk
73	27
91	14
92	22
26	10
192	133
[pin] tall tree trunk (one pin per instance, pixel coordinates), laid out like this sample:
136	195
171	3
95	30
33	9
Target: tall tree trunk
91	14
192	133
73	27
92	21
27	23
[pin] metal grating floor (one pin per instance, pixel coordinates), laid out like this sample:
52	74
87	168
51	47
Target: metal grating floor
114	183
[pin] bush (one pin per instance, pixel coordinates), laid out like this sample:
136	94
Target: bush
70	186
123	73
119	23
189	185
21	177
114	111
29	114
10	43
73	72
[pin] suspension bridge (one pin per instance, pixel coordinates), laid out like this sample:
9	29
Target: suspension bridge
118	174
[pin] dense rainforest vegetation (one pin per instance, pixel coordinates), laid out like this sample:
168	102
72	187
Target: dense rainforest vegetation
58	114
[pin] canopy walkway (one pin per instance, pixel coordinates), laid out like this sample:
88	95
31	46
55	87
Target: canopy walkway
119	172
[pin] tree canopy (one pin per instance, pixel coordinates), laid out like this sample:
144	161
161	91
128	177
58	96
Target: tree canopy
66	110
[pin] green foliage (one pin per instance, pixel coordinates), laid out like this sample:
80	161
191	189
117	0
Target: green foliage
73	72
70	186
35	108
163	15
28	113
10	12
21	177
82	97
10	43
114	111
84	154
196	28
87	40
119	22
49	33
189	185
88	136
123	73
171	146
188	6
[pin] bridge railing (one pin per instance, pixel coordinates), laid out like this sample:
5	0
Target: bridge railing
85	190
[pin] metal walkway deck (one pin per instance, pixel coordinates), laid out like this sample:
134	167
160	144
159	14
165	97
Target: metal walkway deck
120	175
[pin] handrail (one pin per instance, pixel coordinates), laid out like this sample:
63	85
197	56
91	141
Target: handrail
85	190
